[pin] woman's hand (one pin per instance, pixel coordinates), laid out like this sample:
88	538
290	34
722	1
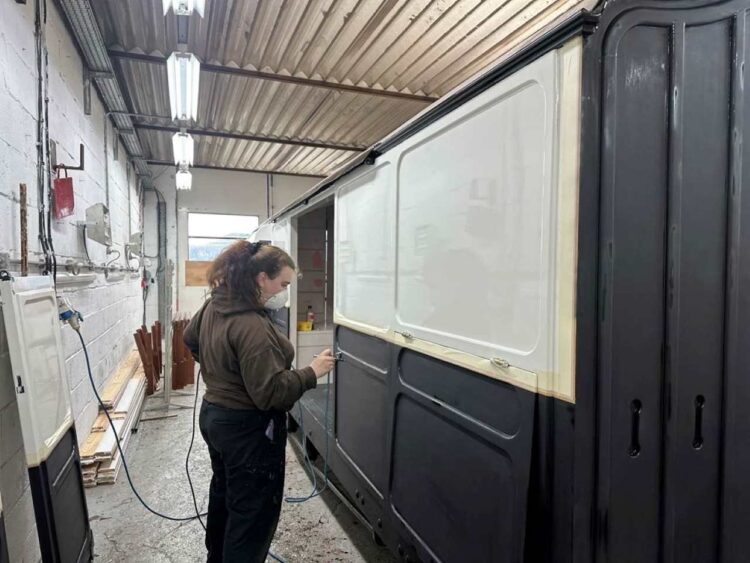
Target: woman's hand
323	363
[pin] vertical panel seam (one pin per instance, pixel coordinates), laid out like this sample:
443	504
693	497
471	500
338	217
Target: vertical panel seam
731	266
673	221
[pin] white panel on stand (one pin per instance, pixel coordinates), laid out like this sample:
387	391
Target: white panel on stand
282	235
365	245
264	232
475	267
36	355
279	234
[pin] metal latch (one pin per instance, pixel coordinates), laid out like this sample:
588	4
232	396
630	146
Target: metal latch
500	363
19	388
337	356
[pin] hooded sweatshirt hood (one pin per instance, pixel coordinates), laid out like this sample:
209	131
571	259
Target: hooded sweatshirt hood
225	304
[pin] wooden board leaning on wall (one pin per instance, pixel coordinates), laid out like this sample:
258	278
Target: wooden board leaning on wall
196	273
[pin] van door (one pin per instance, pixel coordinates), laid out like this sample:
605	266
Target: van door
671	109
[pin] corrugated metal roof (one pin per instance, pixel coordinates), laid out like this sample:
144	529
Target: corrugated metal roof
424	47
249	155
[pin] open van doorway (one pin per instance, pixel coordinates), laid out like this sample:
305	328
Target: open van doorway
313	299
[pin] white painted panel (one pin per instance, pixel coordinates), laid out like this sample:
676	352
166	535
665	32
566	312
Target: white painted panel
36	354
475	267
365	248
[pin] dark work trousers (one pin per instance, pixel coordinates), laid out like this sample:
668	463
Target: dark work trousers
247	449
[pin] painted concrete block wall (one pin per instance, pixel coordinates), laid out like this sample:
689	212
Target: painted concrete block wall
112	308
214	191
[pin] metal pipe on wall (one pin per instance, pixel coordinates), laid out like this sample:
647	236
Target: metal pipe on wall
40	49
73	265
130	204
106	161
24	231
161	274
268	196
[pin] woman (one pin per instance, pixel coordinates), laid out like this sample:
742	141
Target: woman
246	365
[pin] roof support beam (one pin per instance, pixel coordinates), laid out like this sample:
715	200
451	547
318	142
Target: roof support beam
221	69
243	137
232	169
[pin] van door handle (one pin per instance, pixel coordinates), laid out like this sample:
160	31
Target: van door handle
700	403
635	428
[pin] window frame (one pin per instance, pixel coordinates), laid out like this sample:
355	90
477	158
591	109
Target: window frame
204	237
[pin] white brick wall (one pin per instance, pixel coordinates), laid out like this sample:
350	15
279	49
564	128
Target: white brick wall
112	310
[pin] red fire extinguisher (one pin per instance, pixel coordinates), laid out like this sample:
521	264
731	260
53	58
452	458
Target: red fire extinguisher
63	195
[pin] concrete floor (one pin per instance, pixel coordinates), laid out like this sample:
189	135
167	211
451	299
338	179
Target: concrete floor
320	530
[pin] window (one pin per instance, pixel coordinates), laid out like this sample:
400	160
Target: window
210	233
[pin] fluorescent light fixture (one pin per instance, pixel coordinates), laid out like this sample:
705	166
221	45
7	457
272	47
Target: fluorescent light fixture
183	179
183	147
184	7
183	75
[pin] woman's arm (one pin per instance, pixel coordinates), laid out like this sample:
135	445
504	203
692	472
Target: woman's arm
268	382
191	338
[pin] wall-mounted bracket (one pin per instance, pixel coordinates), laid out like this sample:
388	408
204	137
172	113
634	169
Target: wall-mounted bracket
88	76
56	166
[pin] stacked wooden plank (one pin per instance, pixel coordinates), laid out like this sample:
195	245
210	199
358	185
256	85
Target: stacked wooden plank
116	386
149	349
183	365
89	474
98	447
130	407
101	423
123	398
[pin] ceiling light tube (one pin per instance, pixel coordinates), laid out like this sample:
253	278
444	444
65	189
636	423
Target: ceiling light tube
184	7
183	179
183	147
183	76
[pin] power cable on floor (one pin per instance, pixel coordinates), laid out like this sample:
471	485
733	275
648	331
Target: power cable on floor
190	449
315	491
117	441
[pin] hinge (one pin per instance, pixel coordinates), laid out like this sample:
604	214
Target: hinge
500	363
406	334
19	387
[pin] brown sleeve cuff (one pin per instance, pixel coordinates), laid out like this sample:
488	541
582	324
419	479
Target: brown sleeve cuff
308	377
